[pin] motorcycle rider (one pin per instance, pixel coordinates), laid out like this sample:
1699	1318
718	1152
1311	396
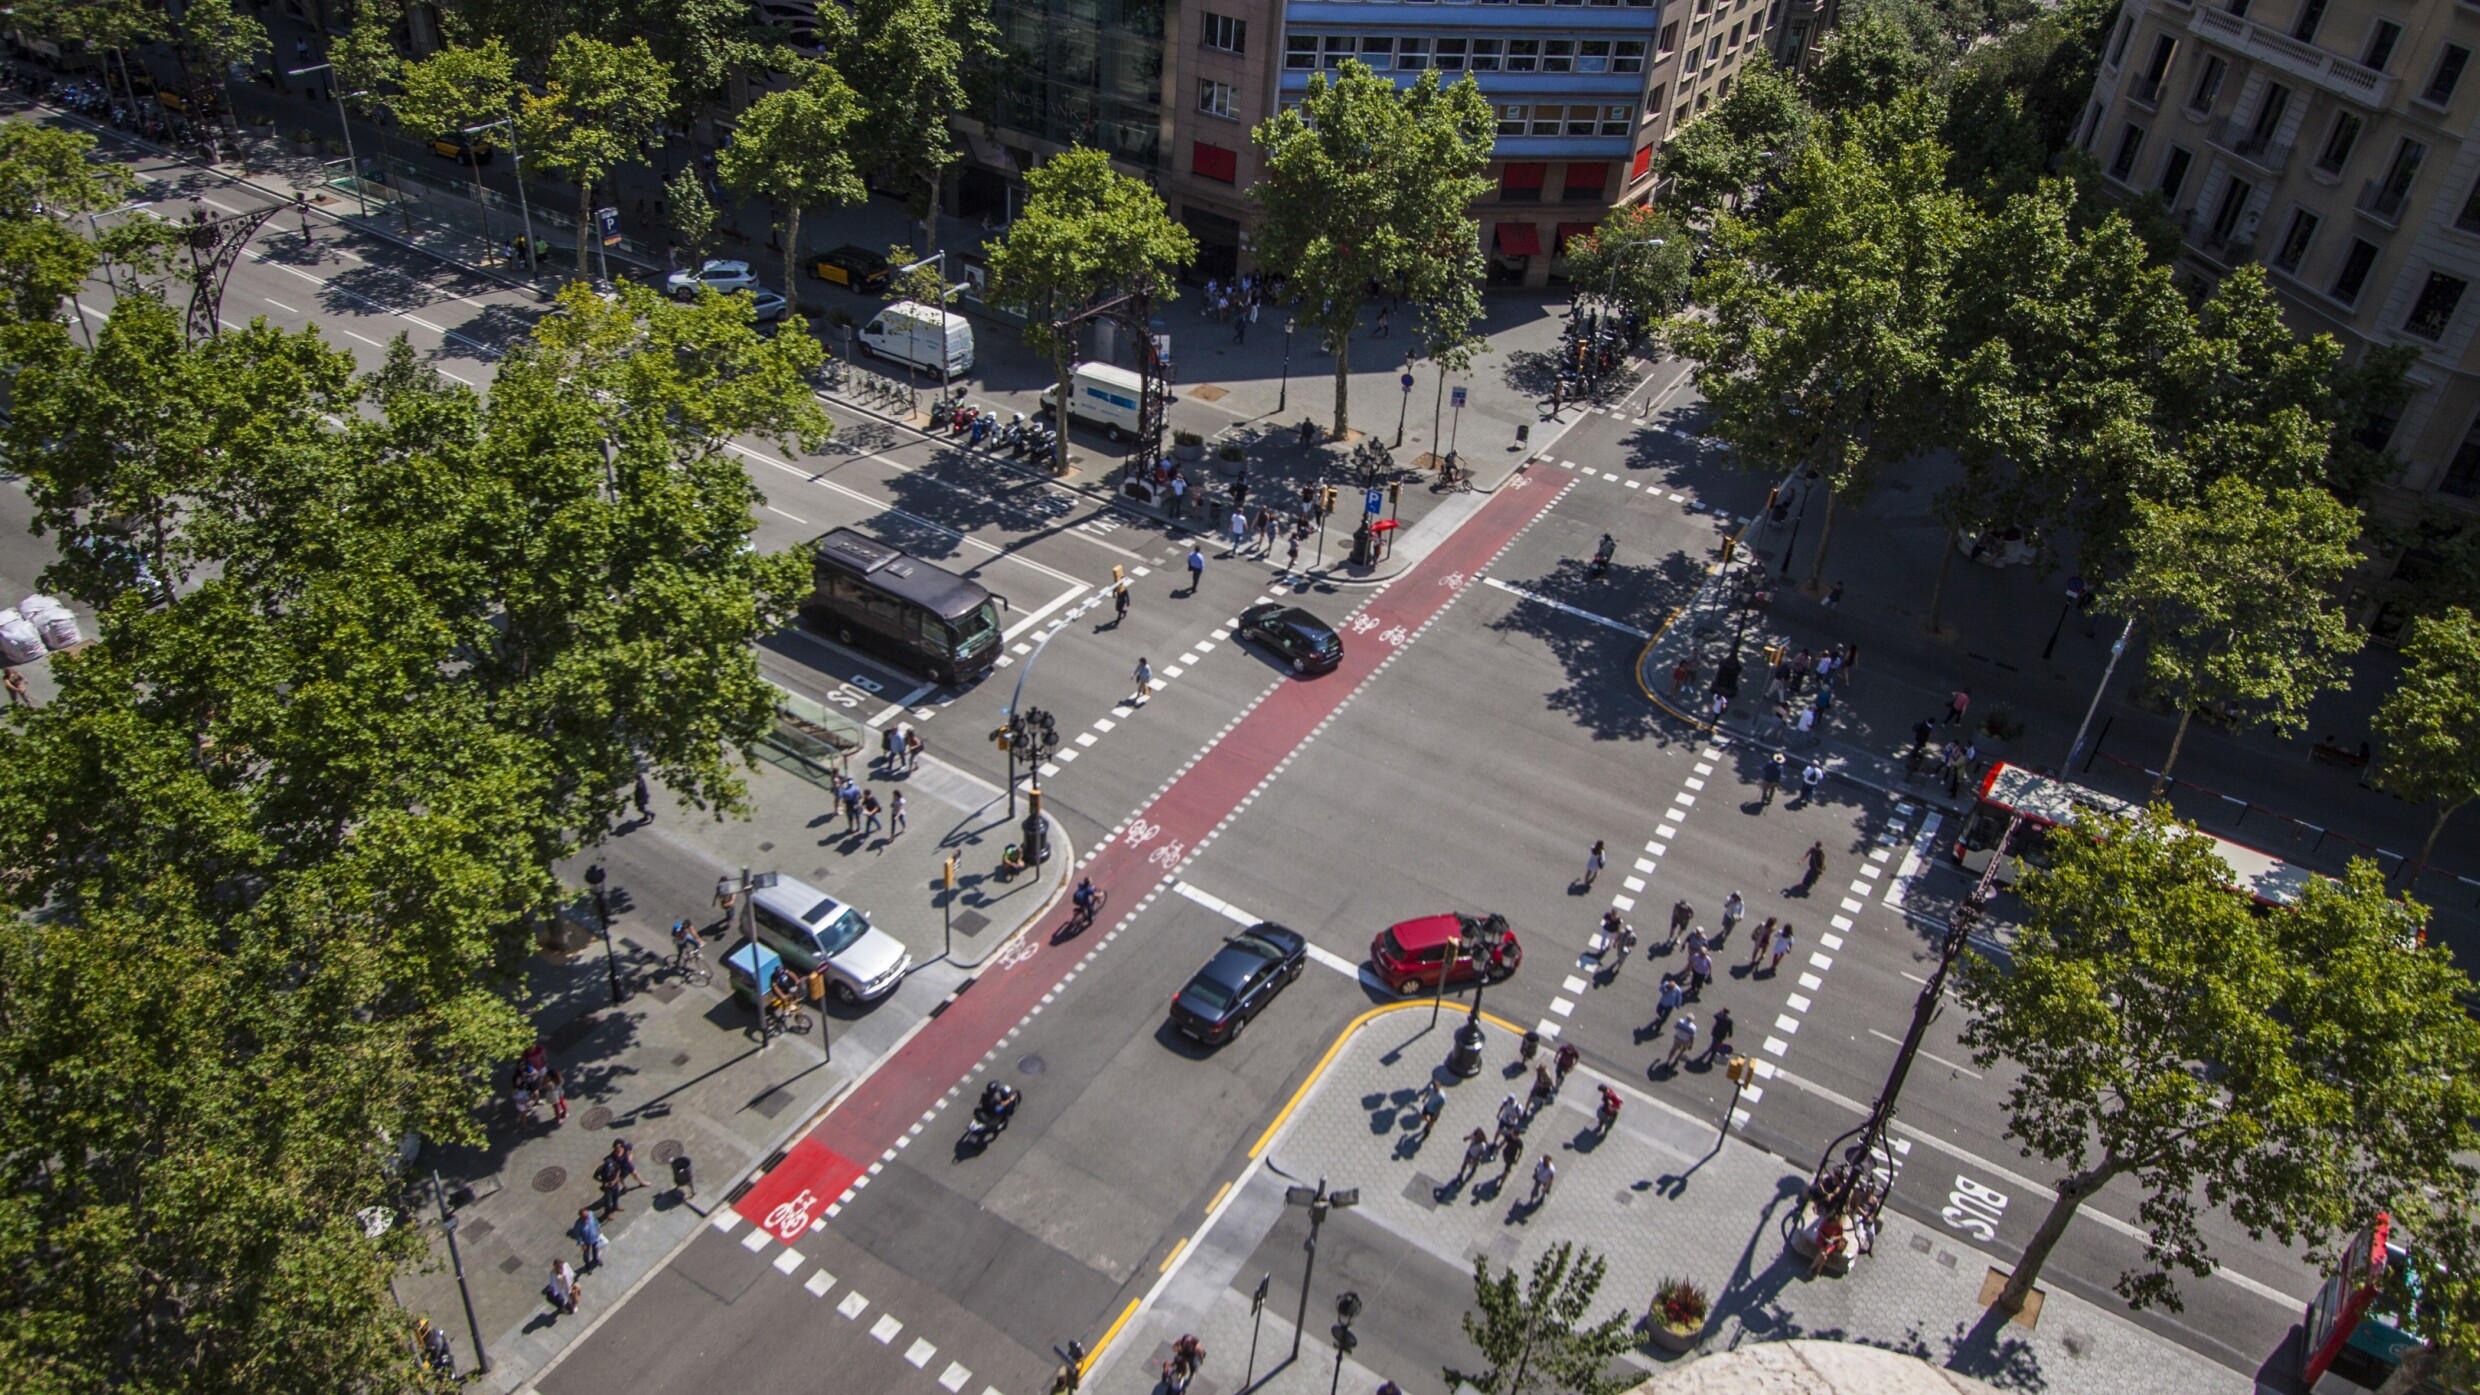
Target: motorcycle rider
999	1101
1602	555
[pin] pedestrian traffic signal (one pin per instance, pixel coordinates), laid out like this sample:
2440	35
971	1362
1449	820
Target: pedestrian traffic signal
1395	491
1729	547
1741	1069
999	737
1326	498
948	875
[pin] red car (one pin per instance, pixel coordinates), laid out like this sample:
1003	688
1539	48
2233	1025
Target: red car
1409	957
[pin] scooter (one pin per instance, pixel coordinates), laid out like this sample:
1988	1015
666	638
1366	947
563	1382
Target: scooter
986	1126
1601	560
981	426
958	416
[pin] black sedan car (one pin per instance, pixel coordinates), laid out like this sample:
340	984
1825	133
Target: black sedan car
1309	644
1238	982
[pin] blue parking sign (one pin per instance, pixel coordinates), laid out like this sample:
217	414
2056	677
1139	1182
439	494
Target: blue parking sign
1377	501
1459	399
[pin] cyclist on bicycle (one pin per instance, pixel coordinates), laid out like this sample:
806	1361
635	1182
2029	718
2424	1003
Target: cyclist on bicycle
1087	899
687	944
783	992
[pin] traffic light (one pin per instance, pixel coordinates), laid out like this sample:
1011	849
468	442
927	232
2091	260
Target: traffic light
1326	498
1394	491
1730	546
1741	1070
999	737
1118	575
948	874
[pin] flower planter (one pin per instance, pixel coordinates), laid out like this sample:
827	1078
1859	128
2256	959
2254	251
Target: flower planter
1675	1339
1188	452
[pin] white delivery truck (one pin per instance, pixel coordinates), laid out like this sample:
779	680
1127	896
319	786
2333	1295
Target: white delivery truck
910	332
1101	394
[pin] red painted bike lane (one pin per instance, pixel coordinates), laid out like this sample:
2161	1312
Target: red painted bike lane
818	1172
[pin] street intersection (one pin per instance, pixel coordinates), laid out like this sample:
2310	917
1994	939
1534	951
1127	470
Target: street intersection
1486	728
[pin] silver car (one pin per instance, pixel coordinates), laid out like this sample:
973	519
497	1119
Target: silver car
723	276
813	931
765	305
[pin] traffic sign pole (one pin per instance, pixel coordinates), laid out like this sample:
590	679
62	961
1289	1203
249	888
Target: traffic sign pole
1403	406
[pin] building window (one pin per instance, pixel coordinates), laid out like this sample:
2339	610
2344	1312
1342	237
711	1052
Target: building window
1617	120
1694	59
2385	197
1643	164
1378	53
1713	48
1669	39
2295	240
2434	310
2311	14
1593	56
1558	55
2269	115
1548	118
2130	141
2208	84
2118	41
2377	432
1520	182
1412	53
1523	55
1450	56
2174	174
2381	42
2235	196
2339	141
1215	162
2469	219
1629	57
1736	30
1704	7
2450	64
2463	472
2237	7
1228	34
1586	182
1218	99
1300	51
1653	101
1511	118
1702	101
2356	264
1485	55
1338	48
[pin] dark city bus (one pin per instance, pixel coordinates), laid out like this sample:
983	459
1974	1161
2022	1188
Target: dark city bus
2046	803
874	597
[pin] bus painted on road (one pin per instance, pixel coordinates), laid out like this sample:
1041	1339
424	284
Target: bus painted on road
874	596
2047	803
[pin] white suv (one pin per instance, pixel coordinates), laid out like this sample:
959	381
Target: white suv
726	277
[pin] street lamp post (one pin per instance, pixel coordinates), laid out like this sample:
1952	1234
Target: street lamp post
352	162
2117	649
1465	1059
516	168
602	919
1406	404
456	1261
1347	1307
1283	395
1319	1201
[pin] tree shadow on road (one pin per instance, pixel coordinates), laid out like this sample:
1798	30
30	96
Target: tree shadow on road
1600	692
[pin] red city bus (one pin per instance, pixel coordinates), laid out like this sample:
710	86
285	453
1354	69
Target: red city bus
2046	803
2353	1340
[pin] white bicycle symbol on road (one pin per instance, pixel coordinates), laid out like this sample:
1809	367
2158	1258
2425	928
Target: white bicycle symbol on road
1015	954
790	1221
1140	833
1168	855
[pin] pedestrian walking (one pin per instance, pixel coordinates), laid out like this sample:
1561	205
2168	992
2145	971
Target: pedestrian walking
563	1289
1956	705
891	750
1827	662
1145	683
1544	1090
869	812
1291	556
1594	861
1810	778
1381	331
302	206
16	684
1834	598
1545	1172
589	1236
1922	730
1196	568
1784	940
1179	497
852	807
1806	721
1671	996
1734	906
644	799
1718	1037
1239	531
895	815
1683	674
1510	1150
912	748
1564	1062
1683	1039
1760	941
1815	859
1700	972
1119	602
1510	1118
1801	663
1476	1152
1433	1104
1696	940
1682	914
555	1087
1769	779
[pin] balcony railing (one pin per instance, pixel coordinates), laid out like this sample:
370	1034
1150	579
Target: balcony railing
2260	150
2331	71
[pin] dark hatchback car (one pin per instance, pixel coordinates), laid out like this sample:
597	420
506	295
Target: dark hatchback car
1309	644
853	267
1238	982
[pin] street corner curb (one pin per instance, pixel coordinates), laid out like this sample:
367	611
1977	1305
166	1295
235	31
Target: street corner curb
1317	1073
1063	855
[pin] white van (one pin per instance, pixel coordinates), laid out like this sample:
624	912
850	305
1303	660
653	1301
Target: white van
910	332
1104	395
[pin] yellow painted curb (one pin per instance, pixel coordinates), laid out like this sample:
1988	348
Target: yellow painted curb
1738	540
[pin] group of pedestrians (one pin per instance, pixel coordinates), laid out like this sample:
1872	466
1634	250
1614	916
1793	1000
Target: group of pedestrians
1237	301
1772	941
863	814
536	1082
1798	709
1957	756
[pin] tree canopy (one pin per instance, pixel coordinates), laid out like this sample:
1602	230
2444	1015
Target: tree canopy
2428	728
1757	127
1368	183
1536	1333
794	149
601	102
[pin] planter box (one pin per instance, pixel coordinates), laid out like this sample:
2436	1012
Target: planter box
1675	1339
1188	452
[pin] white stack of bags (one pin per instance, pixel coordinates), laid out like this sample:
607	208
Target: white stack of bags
36	623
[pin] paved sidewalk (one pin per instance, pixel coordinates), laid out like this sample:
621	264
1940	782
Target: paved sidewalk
678	1069
1665	1195
2010	635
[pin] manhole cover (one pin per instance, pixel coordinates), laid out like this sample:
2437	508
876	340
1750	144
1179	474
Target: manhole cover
475	1231
512	1264
550	1180
771	1103
596	1118
972	923
766	847
666	1150
1032	1065
681	1059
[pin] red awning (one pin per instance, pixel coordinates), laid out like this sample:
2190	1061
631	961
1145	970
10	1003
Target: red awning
1215	162
1587	175
1643	165
1522	174
1569	231
1518	240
